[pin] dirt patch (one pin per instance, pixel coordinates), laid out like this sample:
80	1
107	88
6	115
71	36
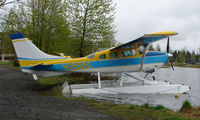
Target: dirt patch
19	101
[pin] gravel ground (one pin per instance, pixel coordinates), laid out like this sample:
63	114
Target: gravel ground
19	102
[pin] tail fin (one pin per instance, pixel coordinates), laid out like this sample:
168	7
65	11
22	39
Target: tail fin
26	50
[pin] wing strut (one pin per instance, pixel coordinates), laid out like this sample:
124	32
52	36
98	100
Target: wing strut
99	79
143	56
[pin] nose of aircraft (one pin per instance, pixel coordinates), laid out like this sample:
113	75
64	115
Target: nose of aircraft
170	61
169	54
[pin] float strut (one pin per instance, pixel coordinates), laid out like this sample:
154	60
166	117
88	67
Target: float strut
99	80
35	77
153	76
121	81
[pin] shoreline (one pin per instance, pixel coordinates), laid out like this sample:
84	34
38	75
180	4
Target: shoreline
183	65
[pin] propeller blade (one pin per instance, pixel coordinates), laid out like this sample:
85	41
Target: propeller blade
167	44
171	64
153	77
172	67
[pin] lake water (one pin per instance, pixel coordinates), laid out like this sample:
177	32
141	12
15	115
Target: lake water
187	76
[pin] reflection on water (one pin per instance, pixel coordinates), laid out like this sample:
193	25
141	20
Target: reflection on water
187	76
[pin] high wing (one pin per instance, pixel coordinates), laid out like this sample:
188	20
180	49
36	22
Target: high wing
147	38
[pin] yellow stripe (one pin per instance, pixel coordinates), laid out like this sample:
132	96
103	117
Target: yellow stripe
20	40
24	63
164	33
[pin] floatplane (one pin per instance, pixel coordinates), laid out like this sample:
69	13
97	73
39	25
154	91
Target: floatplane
126	59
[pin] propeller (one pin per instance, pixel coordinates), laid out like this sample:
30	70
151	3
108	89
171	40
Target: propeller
171	64
167	44
170	55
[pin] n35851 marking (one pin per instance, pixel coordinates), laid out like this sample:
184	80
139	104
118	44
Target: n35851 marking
77	65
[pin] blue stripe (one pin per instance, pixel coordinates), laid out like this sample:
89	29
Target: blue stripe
20	58
155	53
110	63
17	36
129	61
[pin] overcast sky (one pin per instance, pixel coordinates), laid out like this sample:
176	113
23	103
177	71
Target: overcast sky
135	18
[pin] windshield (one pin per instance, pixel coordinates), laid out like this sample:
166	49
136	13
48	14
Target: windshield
91	55
141	49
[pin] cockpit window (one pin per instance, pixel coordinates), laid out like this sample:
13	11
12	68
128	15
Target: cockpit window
102	56
114	55
91	55
128	53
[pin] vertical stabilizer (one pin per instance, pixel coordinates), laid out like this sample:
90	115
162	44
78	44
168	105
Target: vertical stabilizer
27	53
25	49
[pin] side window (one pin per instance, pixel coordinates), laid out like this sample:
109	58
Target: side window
91	55
114	55
102	56
128	53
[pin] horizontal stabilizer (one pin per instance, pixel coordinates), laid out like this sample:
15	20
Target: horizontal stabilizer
40	66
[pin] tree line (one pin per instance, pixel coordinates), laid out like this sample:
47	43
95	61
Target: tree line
74	27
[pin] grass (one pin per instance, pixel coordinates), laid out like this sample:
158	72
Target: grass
50	86
7	63
186	107
133	112
188	110
188	65
57	80
183	65
55	92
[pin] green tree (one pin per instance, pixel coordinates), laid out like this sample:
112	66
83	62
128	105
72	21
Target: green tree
158	47
151	48
43	21
91	23
187	56
175	56
181	56
193	57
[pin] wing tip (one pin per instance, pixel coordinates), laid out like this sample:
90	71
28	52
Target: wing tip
164	33
17	36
